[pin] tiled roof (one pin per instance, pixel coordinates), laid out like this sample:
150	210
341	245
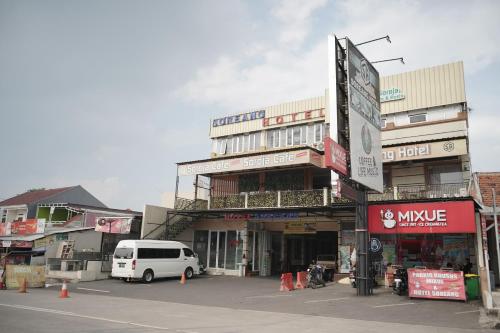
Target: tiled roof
487	181
32	196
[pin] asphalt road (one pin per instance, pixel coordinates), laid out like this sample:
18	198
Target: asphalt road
226	304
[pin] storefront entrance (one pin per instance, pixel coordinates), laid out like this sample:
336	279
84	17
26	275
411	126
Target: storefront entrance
301	250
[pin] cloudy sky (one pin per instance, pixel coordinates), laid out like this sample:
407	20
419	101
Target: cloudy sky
110	94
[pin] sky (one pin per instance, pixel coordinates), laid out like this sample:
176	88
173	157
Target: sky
111	94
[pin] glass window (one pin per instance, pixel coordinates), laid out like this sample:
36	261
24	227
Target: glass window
240	143
188	253
446	174
124	253
222	146
282	137
318	132
232	245
152	253
417	118
382	122
296	135
289	136
200	245
229	148
246	142
303	134
270	139
257	140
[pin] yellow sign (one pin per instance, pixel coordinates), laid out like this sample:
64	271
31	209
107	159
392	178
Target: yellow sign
300	227
15	274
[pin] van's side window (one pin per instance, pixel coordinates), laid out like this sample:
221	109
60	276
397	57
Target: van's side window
188	253
147	253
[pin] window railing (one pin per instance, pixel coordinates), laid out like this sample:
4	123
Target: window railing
429	191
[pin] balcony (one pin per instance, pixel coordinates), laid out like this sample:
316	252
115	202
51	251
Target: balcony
275	199
410	192
321	197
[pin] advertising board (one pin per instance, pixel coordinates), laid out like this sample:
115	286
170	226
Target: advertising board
335	156
364	120
114	225
436	284
422	218
303	156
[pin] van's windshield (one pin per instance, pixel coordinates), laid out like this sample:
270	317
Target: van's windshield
124	253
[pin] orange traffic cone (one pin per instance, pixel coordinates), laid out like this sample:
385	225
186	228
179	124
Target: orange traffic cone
183	279
23	287
64	290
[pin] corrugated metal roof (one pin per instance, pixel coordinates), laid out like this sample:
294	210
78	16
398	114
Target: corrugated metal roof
425	88
33	196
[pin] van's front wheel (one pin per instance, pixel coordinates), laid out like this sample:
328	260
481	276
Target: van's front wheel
148	276
188	273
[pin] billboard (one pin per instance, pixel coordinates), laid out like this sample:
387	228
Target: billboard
364	120
422	218
22	228
114	225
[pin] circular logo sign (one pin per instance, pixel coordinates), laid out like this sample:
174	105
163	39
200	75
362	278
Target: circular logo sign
375	245
101	222
365	71
448	146
366	139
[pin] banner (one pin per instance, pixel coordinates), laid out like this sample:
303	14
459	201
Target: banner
300	227
364	120
114	225
5	228
35	276
335	156
28	227
436	284
422	218
345	258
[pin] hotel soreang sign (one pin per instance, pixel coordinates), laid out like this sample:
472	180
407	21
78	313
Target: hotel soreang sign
303	156
254	115
422	218
425	150
293	117
436	284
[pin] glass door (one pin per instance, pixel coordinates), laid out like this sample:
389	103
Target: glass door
221	256
217	256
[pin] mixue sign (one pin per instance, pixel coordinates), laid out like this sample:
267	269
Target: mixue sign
422	218
436	284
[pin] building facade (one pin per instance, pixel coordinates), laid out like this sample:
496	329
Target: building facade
271	208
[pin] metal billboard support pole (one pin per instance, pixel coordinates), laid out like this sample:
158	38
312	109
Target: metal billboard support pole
362	271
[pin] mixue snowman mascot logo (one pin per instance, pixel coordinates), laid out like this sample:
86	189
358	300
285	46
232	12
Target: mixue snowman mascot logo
387	218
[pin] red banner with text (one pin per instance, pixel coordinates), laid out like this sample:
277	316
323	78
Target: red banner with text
436	284
422	218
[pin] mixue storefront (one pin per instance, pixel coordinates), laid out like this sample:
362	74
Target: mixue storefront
434	235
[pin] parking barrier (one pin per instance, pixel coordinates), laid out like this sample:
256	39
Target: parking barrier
301	280
286	282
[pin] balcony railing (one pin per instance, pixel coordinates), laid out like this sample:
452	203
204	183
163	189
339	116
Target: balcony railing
409	192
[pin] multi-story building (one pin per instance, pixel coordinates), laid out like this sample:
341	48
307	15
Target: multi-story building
270	206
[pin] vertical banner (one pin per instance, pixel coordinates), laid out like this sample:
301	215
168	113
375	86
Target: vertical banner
345	258
335	156
436	284
364	120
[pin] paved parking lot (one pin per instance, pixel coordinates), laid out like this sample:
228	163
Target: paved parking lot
262	294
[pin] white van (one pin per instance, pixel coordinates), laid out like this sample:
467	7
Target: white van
149	259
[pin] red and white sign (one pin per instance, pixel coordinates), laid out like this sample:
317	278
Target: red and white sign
335	156
436	284
113	225
422	218
28	227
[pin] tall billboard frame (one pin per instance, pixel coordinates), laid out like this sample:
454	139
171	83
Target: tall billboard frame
365	146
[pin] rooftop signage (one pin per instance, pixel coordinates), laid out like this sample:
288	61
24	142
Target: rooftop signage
303	156
239	118
293	117
392	94
424	150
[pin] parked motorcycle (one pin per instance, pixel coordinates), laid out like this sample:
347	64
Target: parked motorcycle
315	276
352	277
400	285
371	273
